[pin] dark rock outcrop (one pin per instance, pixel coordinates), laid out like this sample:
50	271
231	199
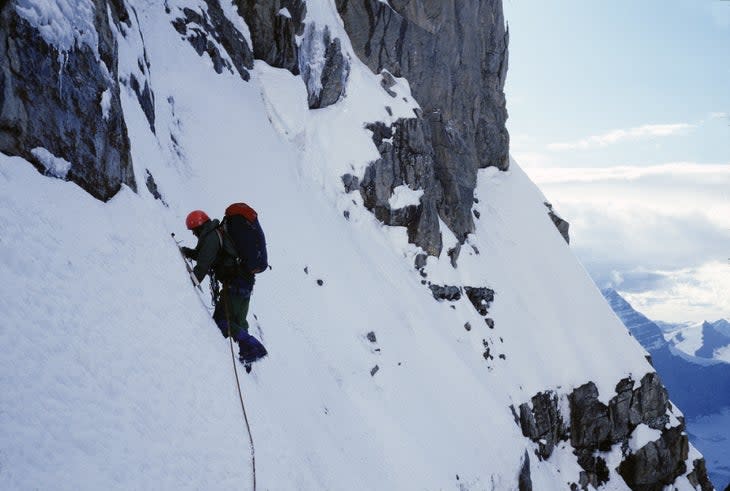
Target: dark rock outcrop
274	35
524	481
208	30
275	26
407	158
562	225
592	426
454	55
698	477
66	101
658	463
446	292
480	298
542	422
326	83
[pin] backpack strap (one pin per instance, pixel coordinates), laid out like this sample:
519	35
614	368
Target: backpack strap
226	245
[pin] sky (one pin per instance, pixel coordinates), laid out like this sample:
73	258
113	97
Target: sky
620	112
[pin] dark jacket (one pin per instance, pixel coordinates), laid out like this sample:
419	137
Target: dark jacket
215	252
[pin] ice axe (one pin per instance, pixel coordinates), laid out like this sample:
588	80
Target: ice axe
195	281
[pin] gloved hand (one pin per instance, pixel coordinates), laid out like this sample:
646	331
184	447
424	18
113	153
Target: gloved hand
188	252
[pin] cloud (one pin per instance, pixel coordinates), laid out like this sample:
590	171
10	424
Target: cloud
650	231
689	294
680	171
615	136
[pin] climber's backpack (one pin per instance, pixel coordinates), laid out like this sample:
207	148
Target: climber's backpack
242	226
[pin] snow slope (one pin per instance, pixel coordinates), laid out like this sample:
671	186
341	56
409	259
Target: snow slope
114	377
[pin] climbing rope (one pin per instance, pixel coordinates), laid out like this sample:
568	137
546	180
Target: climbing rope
238	385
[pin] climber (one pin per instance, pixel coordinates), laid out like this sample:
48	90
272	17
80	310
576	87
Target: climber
215	254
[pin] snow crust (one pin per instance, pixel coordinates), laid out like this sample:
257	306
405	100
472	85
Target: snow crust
64	24
110	360
55	166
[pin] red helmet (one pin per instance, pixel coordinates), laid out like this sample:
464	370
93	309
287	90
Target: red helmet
195	219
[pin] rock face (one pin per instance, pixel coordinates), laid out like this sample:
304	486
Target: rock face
275	26
60	103
592	427
407	158
562	225
211	31
438	46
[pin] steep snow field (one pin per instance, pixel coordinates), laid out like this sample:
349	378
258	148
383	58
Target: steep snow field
114	377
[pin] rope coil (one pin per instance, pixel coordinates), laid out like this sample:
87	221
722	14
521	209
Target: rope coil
238	385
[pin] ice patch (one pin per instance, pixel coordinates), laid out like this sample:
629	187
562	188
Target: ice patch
106	103
64	24
312	58
404	196
285	13
55	166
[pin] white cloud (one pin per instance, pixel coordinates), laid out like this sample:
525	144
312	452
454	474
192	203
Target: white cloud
532	159
673	170
619	135
651	231
691	294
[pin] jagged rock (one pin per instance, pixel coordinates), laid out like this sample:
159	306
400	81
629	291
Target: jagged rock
286	41
407	158
595	427
658	463
371	337
698	476
152	187
480	298
146	99
325	83
562	225
387	81
51	99
524	481
274	35
542	422
438	45
351	183
446	292
207	30
420	261
589	420
595	471
454	254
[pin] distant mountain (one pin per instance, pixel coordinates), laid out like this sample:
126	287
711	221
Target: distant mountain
696	386
704	341
713	339
697	383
